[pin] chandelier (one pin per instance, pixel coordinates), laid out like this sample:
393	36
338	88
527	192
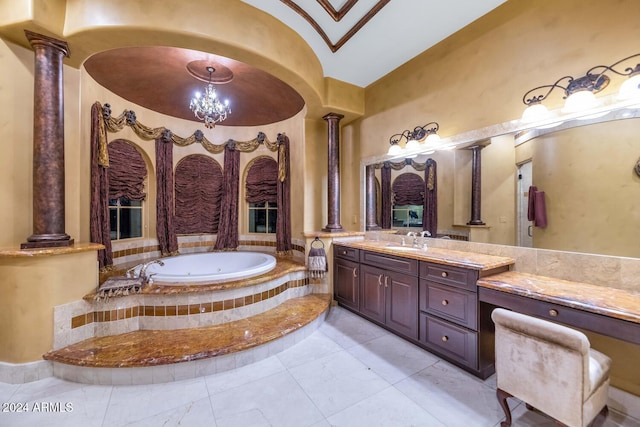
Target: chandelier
208	107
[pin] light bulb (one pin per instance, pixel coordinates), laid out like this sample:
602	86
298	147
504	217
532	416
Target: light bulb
580	101
412	145
630	88
535	113
433	138
395	150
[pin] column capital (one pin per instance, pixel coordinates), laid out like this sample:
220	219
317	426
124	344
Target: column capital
36	39
333	116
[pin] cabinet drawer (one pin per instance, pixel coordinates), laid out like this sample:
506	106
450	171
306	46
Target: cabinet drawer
390	262
449	275
344	252
456	343
454	304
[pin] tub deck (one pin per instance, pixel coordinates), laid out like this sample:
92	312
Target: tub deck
264	334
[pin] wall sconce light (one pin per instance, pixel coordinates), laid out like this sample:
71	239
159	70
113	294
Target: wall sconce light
580	92
428	133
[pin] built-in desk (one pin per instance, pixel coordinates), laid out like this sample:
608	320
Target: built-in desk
600	309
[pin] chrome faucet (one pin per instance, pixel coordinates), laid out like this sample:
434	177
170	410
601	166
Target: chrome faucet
413	234
425	233
143	270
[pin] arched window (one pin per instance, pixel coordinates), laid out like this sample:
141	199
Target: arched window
198	184
408	200
127	173
261	195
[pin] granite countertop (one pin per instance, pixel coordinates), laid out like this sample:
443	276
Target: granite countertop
472	260
617	303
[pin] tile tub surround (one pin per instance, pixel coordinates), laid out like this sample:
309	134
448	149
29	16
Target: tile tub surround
153	356
178	307
132	252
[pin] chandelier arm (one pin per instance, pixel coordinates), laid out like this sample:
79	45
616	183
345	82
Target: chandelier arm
539	98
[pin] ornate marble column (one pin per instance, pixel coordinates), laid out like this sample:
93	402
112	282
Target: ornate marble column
333	178
370	190
476	187
48	144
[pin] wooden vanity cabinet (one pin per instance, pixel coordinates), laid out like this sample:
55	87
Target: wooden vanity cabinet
391	299
433	305
346	276
453	324
381	288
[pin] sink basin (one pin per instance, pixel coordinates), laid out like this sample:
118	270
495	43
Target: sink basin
402	248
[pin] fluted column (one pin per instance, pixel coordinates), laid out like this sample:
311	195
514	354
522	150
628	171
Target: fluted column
370	190
476	185
48	144
333	178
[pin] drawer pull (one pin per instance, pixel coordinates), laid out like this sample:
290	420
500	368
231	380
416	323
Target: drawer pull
444	274
344	252
380	280
445	302
355	272
445	338
553	313
386	281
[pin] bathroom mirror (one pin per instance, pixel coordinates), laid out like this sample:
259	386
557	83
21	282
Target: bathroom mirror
585	167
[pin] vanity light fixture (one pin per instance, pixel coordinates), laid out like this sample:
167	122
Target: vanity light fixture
413	146
580	92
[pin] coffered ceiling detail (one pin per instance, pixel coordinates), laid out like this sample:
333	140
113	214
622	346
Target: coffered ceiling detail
337	16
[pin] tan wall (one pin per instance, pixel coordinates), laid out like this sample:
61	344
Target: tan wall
592	193
16	127
477	77
30	288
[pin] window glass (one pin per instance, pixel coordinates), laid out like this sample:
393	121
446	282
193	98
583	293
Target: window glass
125	218
263	217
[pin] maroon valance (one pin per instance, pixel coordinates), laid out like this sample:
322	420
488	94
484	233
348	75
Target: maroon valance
408	189
198	190
262	181
127	171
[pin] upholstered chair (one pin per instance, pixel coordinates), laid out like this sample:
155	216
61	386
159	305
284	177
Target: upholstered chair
551	368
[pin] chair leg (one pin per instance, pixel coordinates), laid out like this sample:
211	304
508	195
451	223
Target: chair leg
601	417
502	400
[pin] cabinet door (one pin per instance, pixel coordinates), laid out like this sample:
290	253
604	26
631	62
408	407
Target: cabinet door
402	304
372	303
346	282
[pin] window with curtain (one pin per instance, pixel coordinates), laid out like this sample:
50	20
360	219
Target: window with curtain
261	195
127	174
408	200
198	191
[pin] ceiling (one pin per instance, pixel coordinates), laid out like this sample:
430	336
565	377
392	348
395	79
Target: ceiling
356	41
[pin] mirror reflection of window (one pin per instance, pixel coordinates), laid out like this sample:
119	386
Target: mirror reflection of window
407	216
408	201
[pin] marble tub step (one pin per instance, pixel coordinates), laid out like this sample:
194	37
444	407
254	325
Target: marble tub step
153	348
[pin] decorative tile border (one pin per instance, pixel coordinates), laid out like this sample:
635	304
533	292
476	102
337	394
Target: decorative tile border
86	318
182	309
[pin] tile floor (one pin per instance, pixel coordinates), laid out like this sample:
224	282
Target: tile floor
348	373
